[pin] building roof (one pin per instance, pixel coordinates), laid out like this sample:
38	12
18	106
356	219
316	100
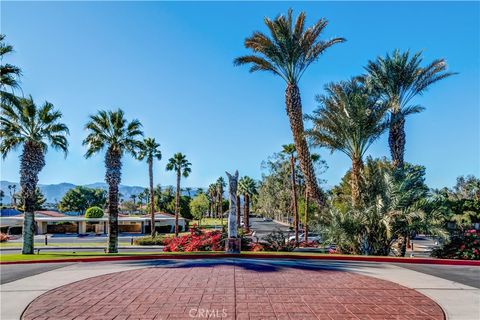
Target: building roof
48	213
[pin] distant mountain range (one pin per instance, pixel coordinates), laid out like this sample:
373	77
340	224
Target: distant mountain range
54	192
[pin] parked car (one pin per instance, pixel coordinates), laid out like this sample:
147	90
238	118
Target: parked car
265	219
314	237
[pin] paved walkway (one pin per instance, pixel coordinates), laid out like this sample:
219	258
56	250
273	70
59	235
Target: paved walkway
237	289
232	292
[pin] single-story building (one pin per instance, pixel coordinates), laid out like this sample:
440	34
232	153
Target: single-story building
56	222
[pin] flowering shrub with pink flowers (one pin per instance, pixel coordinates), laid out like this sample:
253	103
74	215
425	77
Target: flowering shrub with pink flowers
465	246
197	240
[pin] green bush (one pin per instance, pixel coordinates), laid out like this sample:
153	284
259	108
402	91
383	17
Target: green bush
149	241
94	212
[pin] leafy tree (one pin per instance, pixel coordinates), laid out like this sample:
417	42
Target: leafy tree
181	166
150	151
199	206
39	200
398	78
23	123
289	149
349	119
94	212
111	131
287	53
2	195
80	198
9	74
248	188
184	207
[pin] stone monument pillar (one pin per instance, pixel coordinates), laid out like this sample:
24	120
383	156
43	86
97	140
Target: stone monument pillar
233	243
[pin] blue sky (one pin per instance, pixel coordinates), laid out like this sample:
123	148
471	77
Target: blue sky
169	64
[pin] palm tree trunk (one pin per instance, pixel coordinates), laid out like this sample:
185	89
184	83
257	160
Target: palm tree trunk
357	166
220	205
306	217
294	111
238	210
294	197
32	162
246	212
177	202
396	139
113	166
152	204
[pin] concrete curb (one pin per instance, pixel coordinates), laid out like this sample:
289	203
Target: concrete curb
258	256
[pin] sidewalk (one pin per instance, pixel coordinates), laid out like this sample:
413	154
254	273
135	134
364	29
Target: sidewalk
458	301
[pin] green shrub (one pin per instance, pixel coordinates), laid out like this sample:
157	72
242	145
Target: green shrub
149	241
94	212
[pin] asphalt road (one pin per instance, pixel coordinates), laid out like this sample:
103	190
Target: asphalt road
9	273
262	228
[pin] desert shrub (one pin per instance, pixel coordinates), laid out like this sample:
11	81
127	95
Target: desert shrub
197	240
149	241
3	237
465	246
94	212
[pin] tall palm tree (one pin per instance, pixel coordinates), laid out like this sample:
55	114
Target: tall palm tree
111	131
289	149
315	158
181	166
349	119
34	128
398	78
288	53
220	189
248	188
9	74
150	151
212	196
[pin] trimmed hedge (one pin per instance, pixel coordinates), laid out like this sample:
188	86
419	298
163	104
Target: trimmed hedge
149	241
94	212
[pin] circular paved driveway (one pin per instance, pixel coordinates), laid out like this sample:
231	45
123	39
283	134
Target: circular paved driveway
232	292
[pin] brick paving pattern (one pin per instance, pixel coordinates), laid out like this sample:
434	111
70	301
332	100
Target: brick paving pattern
232	292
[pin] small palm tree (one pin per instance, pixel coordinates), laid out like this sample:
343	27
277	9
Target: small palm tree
349	119
289	149
220	189
34	128
9	74
248	188
150	151
181	166
289	51
111	131
398	78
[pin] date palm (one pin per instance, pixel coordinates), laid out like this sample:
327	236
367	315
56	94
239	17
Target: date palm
181	166
111	131
287	53
248	188
9	74
24	124
349	119
398	78
149	150
289	149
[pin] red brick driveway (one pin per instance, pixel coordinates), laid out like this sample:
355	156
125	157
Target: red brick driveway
232	292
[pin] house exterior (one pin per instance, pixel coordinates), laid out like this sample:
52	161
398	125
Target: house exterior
53	222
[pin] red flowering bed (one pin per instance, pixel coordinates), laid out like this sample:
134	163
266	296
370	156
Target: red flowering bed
197	240
466	246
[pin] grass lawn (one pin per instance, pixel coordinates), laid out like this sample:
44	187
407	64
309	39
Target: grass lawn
209	222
